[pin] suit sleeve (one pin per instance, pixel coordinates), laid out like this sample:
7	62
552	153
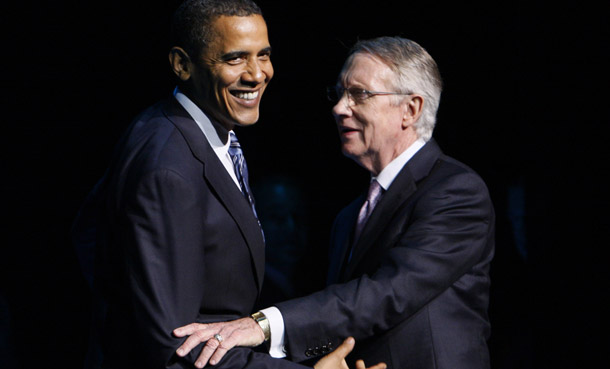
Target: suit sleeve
165	264
446	235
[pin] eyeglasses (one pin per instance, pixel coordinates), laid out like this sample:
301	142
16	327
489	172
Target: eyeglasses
355	95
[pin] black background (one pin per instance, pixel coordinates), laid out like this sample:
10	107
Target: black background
524	104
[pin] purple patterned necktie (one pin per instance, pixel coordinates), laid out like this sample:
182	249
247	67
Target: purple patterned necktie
241	171
372	199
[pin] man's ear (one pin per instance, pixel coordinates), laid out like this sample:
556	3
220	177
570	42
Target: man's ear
413	109
180	63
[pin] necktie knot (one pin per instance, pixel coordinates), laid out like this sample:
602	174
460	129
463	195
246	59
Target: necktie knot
234	146
374	193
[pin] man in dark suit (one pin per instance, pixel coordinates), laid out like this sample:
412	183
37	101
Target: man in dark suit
409	268
174	222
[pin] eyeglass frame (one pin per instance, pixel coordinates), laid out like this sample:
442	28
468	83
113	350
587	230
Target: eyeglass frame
350	95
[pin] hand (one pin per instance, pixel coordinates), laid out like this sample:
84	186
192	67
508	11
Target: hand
241	332
336	359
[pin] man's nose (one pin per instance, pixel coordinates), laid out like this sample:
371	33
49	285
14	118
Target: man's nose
342	107
254	74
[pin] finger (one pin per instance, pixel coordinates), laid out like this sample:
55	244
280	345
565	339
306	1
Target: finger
218	354
360	364
209	348
188	329
193	340
345	348
231	340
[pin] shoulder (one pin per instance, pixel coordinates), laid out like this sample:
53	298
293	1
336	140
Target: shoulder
453	188
152	123
453	173
154	143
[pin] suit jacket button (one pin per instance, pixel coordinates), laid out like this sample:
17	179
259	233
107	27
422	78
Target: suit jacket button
309	353
316	351
325	349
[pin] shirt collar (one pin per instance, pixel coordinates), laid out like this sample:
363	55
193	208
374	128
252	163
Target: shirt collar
389	173
203	122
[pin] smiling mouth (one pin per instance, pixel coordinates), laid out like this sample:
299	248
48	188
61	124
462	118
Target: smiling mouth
245	95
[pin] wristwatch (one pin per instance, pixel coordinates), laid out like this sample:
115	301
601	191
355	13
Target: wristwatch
262	321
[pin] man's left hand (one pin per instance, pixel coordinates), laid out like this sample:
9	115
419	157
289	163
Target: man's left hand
336	359
241	332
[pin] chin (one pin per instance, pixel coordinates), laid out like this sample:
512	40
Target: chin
247	120
245	123
349	151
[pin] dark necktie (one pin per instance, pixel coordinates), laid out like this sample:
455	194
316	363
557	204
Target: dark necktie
241	170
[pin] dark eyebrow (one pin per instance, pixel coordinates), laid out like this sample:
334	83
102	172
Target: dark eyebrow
242	54
266	50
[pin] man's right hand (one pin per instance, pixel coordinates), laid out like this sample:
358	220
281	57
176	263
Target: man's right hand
241	332
336	359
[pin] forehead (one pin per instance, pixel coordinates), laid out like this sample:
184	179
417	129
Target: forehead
365	70
233	33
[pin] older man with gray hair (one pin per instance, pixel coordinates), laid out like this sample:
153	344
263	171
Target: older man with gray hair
409	261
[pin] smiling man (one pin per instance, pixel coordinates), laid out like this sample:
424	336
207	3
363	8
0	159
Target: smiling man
176	233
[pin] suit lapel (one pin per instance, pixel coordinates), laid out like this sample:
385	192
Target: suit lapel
222	184
403	186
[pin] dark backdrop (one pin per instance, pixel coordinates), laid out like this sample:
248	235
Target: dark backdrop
524	104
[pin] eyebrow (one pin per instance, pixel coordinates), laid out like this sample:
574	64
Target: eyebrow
241	53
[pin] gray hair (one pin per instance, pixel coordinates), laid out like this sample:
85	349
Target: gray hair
416	72
192	22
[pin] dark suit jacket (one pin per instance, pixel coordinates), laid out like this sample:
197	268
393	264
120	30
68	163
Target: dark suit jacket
177	243
415	294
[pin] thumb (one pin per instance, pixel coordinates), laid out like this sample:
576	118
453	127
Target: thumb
346	347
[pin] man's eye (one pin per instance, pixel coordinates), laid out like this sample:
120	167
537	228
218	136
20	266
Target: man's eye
235	60
358	93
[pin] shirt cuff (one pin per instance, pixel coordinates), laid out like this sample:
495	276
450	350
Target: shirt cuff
276	325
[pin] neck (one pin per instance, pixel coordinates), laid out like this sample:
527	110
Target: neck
221	130
222	126
376	163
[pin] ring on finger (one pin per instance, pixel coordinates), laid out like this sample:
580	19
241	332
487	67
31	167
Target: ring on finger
218	337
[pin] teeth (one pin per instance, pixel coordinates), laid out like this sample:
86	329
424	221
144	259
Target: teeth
247	95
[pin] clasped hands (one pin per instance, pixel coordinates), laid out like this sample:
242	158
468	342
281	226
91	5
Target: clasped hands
246	332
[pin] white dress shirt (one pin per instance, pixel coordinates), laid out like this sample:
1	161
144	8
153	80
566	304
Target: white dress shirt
385	179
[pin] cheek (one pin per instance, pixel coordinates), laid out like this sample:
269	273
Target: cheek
366	120
268	70
226	78
222	85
